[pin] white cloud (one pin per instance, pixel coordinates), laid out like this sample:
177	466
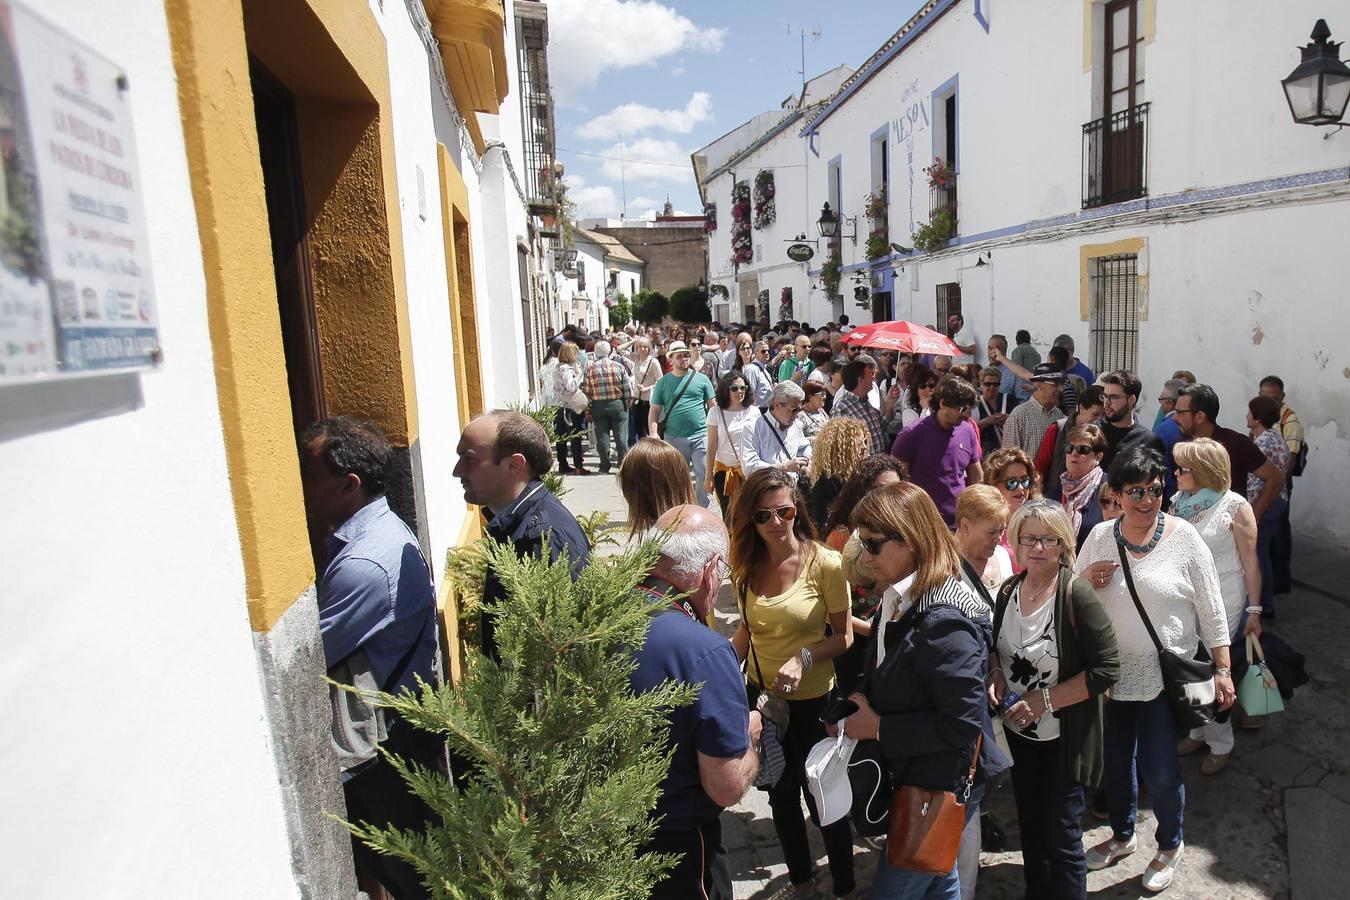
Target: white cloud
647	160
587	37
631	118
644	202
594	201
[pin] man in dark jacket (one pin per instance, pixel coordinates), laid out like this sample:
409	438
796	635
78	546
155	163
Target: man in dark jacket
502	456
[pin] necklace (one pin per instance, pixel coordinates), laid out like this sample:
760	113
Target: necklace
1034	597
1144	548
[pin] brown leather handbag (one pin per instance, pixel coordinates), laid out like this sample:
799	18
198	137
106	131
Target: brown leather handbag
926	825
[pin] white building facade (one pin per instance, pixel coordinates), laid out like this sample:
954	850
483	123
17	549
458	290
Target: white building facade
1123	171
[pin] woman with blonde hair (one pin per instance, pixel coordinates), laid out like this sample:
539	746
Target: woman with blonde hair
841	445
789	588
1056	651
654	478
923	692
570	419
981	519
1225	520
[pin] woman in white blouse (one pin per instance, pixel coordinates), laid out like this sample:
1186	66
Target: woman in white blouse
646	372
729	421
1225	520
1178	587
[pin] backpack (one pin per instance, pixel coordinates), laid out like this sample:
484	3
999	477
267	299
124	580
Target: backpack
1301	459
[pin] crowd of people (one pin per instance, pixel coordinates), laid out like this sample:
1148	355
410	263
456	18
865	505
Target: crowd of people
972	569
947	545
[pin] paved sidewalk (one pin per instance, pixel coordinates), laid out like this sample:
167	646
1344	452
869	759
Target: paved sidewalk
1268	826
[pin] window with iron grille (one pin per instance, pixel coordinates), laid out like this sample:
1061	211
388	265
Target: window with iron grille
948	303
1114	316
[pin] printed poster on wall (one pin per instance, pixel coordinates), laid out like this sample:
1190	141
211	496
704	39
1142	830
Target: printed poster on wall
76	295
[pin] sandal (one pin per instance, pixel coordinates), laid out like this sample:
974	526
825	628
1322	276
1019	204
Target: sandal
1159	873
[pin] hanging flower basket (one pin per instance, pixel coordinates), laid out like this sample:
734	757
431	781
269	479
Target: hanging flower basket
765	211
874	204
940	174
710	218
829	275
742	245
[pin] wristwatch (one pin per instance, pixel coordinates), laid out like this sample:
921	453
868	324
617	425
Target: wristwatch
1224	671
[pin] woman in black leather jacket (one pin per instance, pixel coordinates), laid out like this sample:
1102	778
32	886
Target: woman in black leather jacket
923	692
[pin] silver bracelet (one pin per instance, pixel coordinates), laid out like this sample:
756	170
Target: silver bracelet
1224	671
1045	701
808	659
1254	610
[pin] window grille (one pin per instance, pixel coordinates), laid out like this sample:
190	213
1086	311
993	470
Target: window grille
1114	321
948	303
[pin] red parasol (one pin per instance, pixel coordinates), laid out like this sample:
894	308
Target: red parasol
905	337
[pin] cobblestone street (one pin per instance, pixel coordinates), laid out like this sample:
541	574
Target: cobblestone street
1265	827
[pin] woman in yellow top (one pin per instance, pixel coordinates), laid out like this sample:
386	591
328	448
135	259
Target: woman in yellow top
789	589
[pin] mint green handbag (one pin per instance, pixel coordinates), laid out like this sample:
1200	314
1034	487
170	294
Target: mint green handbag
1258	693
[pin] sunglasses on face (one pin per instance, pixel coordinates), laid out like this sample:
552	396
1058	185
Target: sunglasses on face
928	387
1081	449
1137	493
1183	470
1048	541
959	407
873	545
786	513
738	388
1013	484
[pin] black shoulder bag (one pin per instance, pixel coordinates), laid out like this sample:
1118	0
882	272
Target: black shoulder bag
665	413
1188	683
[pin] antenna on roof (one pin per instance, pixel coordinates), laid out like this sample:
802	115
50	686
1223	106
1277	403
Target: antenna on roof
804	31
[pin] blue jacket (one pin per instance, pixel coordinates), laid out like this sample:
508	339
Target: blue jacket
523	524
930	691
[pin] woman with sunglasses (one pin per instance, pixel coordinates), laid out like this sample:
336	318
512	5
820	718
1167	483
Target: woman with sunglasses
1056	649
753	371
1010	470
729	422
1080	482
789	588
1225	520
923	692
1178	587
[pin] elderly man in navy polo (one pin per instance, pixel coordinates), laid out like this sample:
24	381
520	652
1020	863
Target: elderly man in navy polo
378	624
502	457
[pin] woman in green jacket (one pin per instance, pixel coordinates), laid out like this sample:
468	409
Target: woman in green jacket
1056	650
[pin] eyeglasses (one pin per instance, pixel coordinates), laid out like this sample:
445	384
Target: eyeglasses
1013	484
1081	449
1113	398
738	388
786	513
959	407
873	545
1137	493
1181	412
1048	541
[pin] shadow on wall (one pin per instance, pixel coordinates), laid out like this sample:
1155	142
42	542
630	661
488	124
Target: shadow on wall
27	409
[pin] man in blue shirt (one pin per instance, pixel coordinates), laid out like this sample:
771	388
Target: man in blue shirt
502	457
377	618
713	741
1076	365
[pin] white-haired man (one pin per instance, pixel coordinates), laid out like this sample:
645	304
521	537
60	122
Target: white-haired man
777	438
713	741
607	385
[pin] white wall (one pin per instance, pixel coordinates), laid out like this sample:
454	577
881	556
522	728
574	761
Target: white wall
1237	287
136	747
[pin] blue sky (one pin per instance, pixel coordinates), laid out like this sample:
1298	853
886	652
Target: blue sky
669	77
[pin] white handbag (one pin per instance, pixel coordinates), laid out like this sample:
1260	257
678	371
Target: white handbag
827	777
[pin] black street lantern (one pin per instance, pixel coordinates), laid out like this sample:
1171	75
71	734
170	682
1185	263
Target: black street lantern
1319	89
828	223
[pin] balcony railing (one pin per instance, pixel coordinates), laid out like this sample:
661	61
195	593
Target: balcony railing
945	197
1115	157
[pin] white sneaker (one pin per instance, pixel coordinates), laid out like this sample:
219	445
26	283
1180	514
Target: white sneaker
1108	851
1159	873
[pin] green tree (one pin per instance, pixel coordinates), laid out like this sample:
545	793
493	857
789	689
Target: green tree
690	305
564	761
650	306
621	313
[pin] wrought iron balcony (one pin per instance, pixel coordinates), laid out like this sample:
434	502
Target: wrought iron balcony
1115	157
944	197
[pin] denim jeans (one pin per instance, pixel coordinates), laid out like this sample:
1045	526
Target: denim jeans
566	422
1282	546
1049	815
1143	733
1266	530
610	418
891	883
694	449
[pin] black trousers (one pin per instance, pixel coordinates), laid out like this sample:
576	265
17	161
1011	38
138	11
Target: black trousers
1282	547
567	422
804	730
701	872
637	421
379	796
1049	815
